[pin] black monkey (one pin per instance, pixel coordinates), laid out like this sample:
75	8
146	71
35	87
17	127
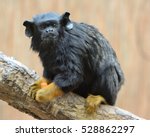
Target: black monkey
76	57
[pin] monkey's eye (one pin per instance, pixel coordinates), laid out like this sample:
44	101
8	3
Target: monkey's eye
53	24
43	26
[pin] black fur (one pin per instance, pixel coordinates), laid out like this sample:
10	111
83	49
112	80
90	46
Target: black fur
78	59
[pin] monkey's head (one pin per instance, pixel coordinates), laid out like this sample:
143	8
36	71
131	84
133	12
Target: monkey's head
46	29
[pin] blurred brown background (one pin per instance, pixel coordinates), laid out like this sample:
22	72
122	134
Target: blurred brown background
125	23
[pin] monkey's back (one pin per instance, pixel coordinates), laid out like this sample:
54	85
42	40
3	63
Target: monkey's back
94	45
98	56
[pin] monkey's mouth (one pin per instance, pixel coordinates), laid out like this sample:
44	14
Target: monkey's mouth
49	37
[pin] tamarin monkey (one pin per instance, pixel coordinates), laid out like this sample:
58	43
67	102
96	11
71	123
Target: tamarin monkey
76	57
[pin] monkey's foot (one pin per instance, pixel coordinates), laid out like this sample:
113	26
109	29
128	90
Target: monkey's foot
48	93
92	102
41	83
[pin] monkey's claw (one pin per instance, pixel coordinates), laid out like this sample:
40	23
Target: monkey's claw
92	102
33	90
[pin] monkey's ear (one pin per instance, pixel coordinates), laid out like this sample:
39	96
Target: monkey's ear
29	28
65	21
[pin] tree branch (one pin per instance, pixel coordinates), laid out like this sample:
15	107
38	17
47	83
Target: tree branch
15	80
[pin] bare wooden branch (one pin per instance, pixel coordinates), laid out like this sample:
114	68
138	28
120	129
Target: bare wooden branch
15	80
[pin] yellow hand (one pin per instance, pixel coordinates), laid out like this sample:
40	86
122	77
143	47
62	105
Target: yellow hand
48	93
93	102
42	82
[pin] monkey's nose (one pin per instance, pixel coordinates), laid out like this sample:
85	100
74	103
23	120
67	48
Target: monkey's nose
49	30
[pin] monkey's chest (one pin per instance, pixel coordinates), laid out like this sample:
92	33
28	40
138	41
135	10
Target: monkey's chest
54	63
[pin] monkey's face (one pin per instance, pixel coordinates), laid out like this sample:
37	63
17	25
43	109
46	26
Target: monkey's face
46	29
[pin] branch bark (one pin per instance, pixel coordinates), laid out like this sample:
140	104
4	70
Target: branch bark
15	80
